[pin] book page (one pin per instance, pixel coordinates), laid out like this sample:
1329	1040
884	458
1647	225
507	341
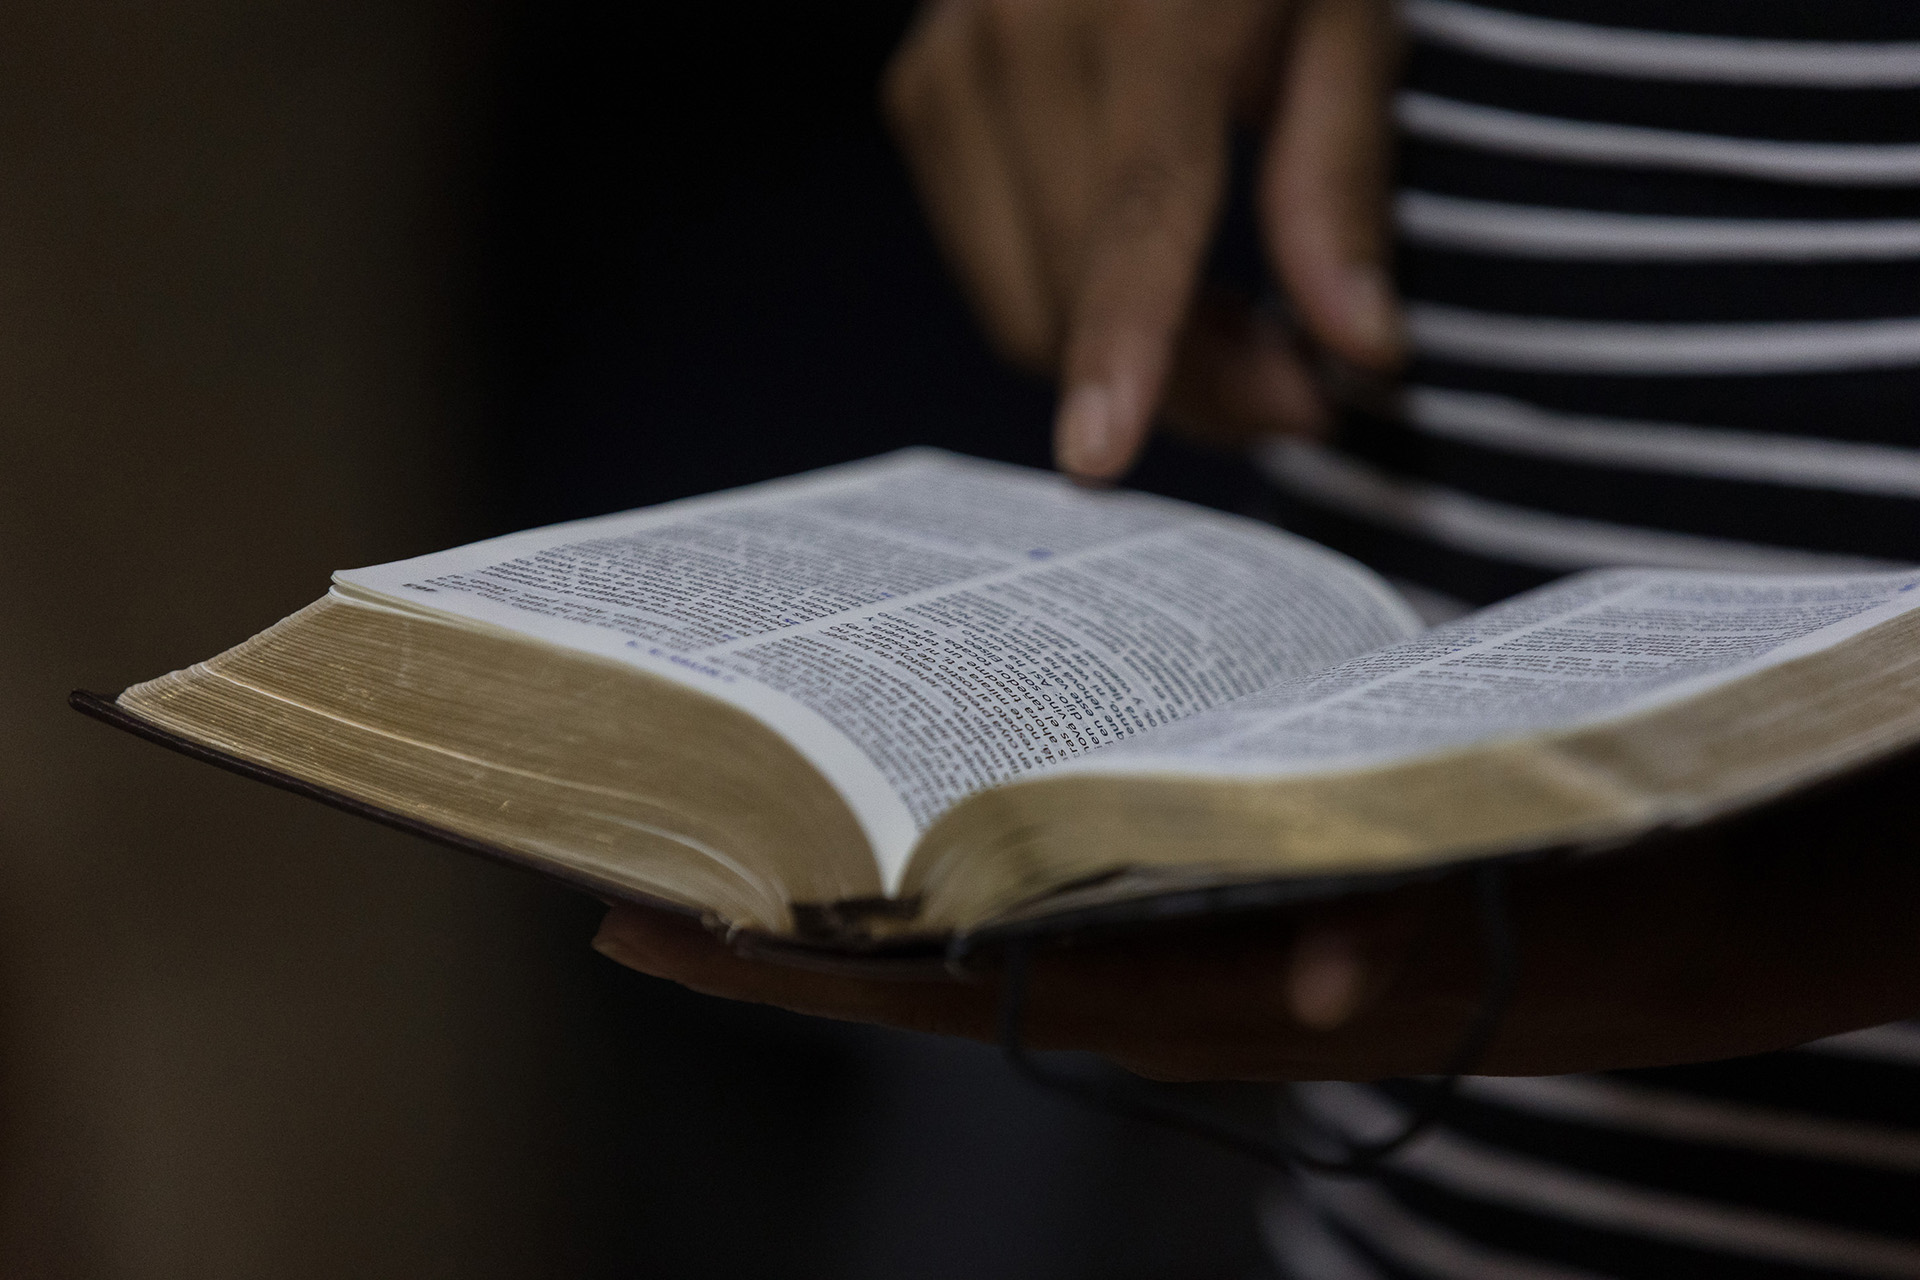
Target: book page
1590	648
923	625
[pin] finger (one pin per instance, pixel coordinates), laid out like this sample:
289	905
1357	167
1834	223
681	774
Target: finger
1098	997
1323	186
936	96
1207	1005
1039	63
682	951
1094	998
1162	179
1238	376
1326	976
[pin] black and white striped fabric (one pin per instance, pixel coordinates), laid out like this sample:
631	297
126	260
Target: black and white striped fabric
1662	265
1663	290
1793	1164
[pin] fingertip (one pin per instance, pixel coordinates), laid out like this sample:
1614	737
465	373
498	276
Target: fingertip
1372	317
1326	978
612	940
1353	311
1091	437
654	942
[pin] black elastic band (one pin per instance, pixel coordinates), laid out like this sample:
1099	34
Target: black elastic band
1139	1101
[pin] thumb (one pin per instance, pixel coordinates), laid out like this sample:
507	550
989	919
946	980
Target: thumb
1323	186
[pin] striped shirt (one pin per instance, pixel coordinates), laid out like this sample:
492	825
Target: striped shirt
1662	268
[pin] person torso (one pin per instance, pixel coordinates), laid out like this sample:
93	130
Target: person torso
1662	270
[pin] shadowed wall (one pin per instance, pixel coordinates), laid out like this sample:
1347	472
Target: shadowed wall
242	1036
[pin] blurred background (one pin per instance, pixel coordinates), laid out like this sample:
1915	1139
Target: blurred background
298	284
289	286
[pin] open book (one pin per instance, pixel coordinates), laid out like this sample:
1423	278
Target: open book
923	694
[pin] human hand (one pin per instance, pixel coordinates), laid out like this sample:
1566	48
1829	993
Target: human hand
1253	999
1073	157
1773	930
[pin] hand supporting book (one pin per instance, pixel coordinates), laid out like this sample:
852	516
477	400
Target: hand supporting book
1767	931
